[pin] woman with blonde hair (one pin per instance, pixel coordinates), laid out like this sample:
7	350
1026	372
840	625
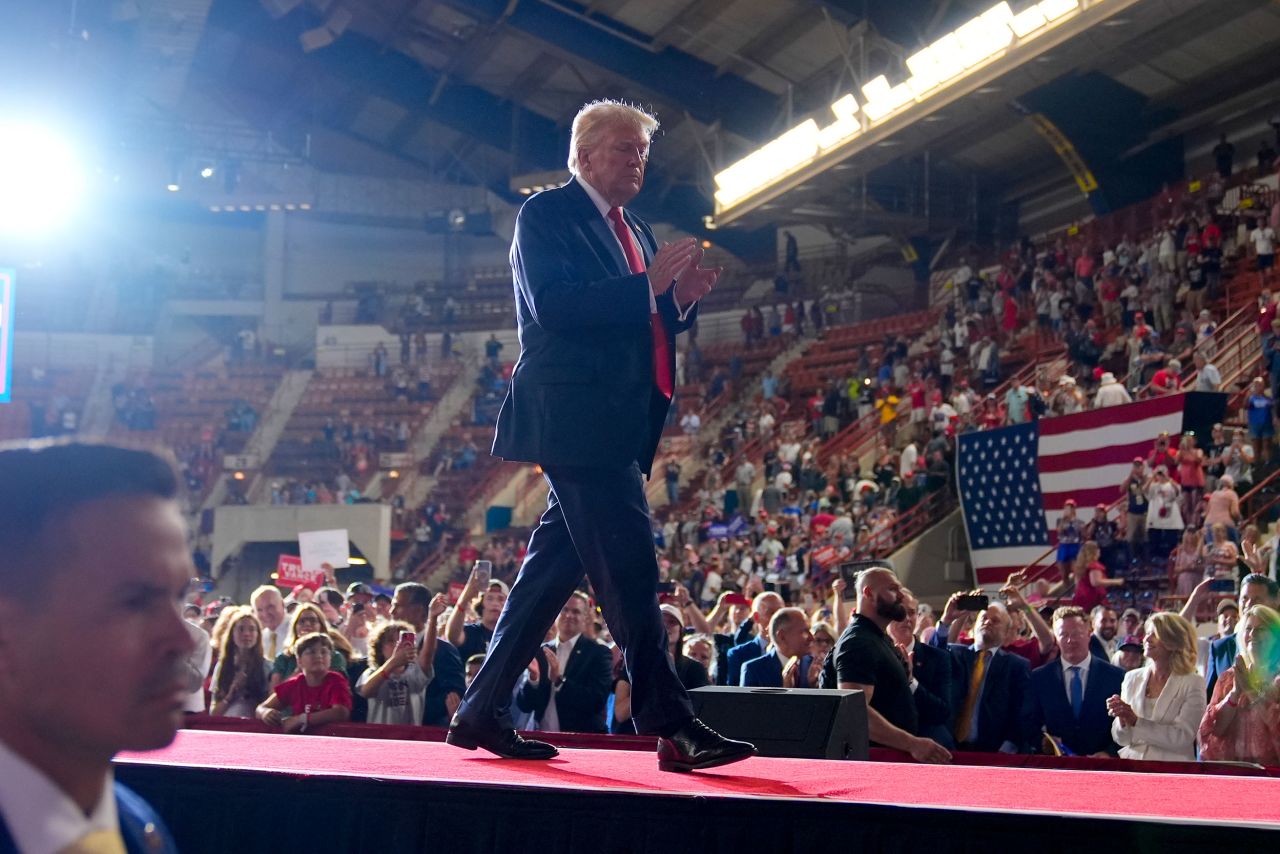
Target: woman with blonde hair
1242	721
1159	707
1091	578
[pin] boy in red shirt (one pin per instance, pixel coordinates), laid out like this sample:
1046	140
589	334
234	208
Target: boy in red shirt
314	695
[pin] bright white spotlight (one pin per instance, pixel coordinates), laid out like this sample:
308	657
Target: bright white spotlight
206	172
40	179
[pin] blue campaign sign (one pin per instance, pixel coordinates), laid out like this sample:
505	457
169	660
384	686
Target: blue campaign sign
717	532
6	333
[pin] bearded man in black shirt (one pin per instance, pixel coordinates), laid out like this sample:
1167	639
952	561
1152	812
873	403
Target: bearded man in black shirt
866	660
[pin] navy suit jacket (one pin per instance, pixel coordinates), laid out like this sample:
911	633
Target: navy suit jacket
583	697
1222	657
931	668
1004	691
1048	707
141	829
766	672
583	391
741	654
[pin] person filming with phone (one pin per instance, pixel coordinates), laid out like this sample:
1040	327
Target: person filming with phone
484	596
988	684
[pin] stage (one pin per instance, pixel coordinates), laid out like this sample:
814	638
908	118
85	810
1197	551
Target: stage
244	791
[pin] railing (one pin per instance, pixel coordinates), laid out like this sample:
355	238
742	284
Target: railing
931	509
1237	333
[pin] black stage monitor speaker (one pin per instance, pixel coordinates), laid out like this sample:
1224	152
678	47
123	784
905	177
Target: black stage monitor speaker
799	723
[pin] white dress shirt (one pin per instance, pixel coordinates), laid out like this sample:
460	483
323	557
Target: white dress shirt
551	717
41	818
1084	676
604	208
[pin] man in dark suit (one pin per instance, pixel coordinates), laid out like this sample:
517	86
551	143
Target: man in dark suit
788	663
929	670
568	688
1106	627
598	305
91	540
988	684
763	607
1068	697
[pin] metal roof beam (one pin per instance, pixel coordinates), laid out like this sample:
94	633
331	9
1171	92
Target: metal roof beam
743	107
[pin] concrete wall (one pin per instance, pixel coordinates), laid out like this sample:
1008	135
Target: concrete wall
80	350
923	564
368	528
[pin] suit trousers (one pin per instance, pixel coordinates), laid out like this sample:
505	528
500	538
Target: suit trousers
596	522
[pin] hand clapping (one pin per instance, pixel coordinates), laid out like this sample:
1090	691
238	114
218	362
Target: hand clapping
695	282
670	263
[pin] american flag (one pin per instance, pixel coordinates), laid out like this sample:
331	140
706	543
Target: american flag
1014	481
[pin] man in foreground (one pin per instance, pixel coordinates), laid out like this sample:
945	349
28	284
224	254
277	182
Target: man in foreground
94	565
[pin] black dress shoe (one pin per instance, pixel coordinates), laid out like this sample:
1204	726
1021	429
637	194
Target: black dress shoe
696	746
506	743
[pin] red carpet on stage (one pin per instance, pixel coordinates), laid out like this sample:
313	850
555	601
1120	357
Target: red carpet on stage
1176	798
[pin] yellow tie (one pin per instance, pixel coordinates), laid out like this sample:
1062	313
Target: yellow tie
97	842
964	723
271	647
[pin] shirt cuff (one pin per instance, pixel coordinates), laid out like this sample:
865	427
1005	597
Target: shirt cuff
682	313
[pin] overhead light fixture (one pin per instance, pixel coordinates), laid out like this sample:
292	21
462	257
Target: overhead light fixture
173	186
306	206
206	172
41	179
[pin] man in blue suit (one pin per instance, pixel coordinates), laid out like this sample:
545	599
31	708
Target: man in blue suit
1068	697
94	567
988	684
763	608
787	663
598	305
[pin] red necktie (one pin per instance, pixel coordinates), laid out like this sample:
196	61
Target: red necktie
661	363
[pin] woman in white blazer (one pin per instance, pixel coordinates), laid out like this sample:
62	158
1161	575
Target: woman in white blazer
1159	707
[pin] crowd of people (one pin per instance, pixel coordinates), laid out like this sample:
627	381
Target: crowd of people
994	674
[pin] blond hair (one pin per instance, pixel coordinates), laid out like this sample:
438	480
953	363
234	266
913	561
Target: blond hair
1269	620
592	120
1176	635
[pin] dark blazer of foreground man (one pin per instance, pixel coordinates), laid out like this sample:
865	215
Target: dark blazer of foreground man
94	566
587	403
